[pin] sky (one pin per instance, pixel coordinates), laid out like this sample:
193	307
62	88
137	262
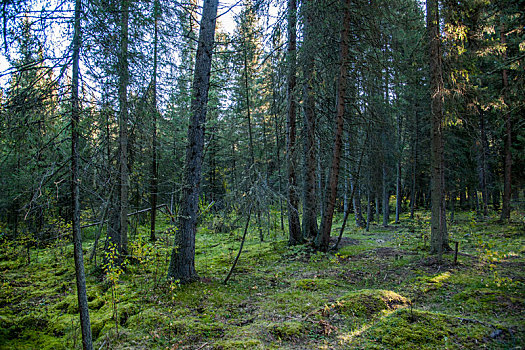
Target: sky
226	11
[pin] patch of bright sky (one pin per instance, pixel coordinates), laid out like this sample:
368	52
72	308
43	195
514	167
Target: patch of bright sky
227	11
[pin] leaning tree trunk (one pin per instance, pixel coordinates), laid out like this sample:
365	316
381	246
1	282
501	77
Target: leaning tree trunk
294	225
323	238
85	324
182	263
439	238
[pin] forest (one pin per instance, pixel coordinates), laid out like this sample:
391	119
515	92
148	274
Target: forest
262	174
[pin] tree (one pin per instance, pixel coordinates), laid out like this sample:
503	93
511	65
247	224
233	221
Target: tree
182	262
323	238
310	160
439	237
507	174
123	129
294	225
85	324
154	188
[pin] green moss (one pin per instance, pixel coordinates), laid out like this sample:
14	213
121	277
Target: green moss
96	304
369	302
314	284
351	250
61	324
238	344
295	302
409	329
148	319
68	304
125	311
287	330
31	339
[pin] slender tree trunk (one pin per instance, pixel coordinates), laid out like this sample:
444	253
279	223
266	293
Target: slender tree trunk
323	239
277	154
182	263
439	237
85	324
154	168
386	197
250	134
356	202
377	203
482	165
294	225
507	180
414	168
368	209
123	129
310	200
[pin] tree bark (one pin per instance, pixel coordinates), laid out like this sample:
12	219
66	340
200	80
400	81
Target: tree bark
294	225
482	164
507	180
414	168
182	262
386	195
85	324
154	167
323	238
310	199
122	240
356	202
439	237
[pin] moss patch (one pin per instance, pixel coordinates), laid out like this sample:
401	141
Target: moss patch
368	302
408	329
239	344
290	330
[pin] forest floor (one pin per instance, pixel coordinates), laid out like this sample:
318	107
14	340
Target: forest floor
381	290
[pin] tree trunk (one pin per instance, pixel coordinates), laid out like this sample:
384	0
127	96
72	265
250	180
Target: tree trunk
123	130
277	154
507	190
356	202
323	238
182	263
414	169
310	200
154	168
369	212
439	238
377	202
482	165
85	324
386	197
294	225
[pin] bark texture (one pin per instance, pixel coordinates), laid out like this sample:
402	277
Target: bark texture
323	238
507	180
310	198
85	324
122	241
439	237
294	225
154	167
182	263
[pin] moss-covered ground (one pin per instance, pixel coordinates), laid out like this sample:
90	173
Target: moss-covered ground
380	290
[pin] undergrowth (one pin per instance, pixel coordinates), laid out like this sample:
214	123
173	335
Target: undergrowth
380	290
